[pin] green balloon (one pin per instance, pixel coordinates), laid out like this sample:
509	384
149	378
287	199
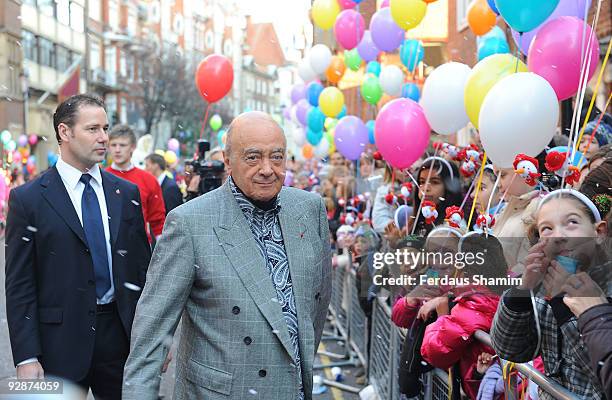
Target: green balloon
215	122
5	136
352	59
371	90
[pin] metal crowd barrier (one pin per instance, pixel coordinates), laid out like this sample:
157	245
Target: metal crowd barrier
386	341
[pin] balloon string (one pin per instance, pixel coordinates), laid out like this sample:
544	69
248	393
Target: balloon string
599	78
603	112
492	193
204	120
484	161
467	195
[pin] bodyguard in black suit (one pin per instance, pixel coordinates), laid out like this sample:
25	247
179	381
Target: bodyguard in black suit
76	259
156	165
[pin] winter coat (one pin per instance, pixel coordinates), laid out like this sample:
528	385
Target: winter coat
595	325
450	338
383	212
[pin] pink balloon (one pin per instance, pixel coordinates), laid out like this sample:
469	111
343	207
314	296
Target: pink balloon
402	132
346	4
349	29
555	54
384	4
32	139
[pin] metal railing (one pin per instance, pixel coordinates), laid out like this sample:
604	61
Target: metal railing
386	341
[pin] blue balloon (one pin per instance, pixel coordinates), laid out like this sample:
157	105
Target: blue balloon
496	32
370	124
52	158
316	120
313	92
373	67
525	15
342	113
220	136
492	46
314	137
493	6
411	53
411	91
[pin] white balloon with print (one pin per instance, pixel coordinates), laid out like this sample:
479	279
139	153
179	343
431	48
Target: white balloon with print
391	80
320	57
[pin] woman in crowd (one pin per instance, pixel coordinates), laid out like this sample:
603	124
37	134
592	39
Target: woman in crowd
383	211
532	319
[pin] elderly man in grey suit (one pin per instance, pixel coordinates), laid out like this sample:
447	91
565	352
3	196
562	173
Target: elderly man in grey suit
247	266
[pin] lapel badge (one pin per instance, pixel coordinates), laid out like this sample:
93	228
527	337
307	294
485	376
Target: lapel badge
118	191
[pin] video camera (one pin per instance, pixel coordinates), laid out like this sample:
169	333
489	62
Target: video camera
210	172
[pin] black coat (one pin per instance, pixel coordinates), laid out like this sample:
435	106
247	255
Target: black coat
595	326
172	194
50	284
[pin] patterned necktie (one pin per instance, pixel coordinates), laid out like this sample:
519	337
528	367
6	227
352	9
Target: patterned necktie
94	231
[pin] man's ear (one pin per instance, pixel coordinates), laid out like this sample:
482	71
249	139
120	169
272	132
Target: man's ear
65	132
226	161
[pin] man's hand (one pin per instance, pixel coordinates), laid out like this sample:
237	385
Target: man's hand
582	293
167	362
484	362
31	370
194	184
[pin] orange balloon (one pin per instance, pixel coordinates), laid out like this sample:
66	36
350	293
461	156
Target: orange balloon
307	151
336	69
481	18
429	1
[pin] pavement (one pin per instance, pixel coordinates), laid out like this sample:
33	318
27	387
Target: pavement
7	368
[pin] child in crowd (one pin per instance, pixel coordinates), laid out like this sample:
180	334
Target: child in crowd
486	192
532	318
383	211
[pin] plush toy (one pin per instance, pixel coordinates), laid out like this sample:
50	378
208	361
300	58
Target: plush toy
390	198
429	212
472	153
561	164
453	152
454	216
468	168
527	168
377	156
484	223
406	190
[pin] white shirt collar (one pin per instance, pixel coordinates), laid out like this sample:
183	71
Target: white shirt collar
72	175
128	168
161	177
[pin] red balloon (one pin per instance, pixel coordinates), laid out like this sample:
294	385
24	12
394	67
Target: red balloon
214	77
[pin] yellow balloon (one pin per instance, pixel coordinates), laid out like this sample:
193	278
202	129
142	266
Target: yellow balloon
324	13
484	76
407	14
170	157
331	101
160	152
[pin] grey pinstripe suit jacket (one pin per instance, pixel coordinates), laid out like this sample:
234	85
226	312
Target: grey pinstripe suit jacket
234	343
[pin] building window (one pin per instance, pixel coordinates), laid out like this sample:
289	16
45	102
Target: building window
29	2
132	21
64	59
257	86
110	65
77	20
130	68
47	7
94	54
113	14
46	52
122	64
95	10
124	110
63	11
111	108
264	88
28	41
462	8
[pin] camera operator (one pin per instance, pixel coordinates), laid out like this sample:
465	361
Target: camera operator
204	173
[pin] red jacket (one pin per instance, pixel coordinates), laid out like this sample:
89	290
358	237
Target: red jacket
450	339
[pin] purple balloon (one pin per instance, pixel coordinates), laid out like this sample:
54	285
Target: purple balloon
298	93
22	141
386	35
367	49
287	113
565	8
351	137
303	107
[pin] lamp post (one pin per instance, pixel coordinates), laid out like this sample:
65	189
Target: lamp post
23	77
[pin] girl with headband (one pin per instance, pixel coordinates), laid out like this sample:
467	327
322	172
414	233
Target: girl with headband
532	319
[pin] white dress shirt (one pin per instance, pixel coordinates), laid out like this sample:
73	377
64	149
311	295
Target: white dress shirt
71	178
161	177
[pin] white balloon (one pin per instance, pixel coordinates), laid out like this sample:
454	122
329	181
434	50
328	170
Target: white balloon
322	149
391	80
443	98
305	71
518	115
299	136
320	57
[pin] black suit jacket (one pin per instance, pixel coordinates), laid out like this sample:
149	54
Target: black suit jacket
50	284
172	194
